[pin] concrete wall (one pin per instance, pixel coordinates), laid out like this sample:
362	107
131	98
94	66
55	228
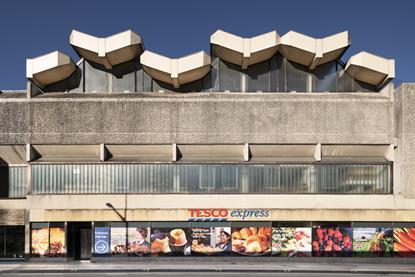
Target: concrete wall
361	118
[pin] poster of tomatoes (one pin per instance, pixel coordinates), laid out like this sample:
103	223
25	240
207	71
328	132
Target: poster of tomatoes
332	241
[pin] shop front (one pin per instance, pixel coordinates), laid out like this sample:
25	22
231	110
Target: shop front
222	232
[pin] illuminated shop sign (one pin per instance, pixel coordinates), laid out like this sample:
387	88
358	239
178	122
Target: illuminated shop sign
227	214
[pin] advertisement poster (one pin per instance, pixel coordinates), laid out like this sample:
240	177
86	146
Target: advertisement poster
404	242
211	241
291	241
332	241
373	242
101	240
40	241
138	241
57	247
170	241
118	240
251	241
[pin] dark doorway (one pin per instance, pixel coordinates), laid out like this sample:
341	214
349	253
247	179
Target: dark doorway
79	240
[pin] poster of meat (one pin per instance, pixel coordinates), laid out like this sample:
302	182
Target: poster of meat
40	241
138	241
373	242
118	240
251	241
404	242
211	240
291	241
332	241
57	247
170	241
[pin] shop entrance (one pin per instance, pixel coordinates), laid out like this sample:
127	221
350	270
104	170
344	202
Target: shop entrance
79	240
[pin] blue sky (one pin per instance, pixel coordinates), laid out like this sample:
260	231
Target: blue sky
176	28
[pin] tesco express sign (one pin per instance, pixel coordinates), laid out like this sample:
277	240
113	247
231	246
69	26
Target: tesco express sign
236	214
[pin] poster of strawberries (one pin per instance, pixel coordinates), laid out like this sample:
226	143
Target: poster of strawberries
332	241
404	242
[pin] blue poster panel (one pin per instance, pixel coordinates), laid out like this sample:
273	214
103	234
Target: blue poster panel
102	240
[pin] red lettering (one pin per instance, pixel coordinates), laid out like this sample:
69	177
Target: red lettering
223	212
208	212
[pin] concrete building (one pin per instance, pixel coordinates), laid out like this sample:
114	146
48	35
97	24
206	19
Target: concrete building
127	150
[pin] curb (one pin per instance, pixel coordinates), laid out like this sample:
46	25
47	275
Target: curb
207	270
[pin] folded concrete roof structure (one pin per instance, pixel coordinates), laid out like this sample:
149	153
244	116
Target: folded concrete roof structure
312	52
370	68
176	71
109	51
50	68
244	51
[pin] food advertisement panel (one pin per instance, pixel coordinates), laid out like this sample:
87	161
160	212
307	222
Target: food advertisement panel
332	241
138	241
101	240
373	242
40	241
57	245
404	242
118	240
251	241
170	241
211	240
291	241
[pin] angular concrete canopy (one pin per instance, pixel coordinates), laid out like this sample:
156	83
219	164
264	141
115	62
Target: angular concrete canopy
370	68
355	152
50	68
244	51
176	71
109	51
312	52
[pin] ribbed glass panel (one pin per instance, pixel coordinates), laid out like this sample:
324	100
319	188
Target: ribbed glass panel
17	181
211	178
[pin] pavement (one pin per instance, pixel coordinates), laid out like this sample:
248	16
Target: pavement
199	266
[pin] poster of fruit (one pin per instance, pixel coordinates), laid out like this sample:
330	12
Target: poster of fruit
57	247
138	241
251	241
404	242
373	242
40	241
211	240
170	241
332	241
291	241
118	240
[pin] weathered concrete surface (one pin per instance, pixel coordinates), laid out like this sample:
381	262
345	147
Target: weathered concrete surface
204	118
405	133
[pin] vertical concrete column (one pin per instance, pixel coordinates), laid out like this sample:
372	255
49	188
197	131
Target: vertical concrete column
27	234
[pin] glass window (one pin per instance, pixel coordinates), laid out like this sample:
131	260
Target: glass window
278	73
2	241
251	238
325	77
297	77
118	238
57	239
101	238
211	238
15	241
258	77
124	77
40	239
96	78
230	76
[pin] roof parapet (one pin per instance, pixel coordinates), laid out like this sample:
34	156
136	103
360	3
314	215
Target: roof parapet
312	52
371	69
244	51
109	51
50	68
176	71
